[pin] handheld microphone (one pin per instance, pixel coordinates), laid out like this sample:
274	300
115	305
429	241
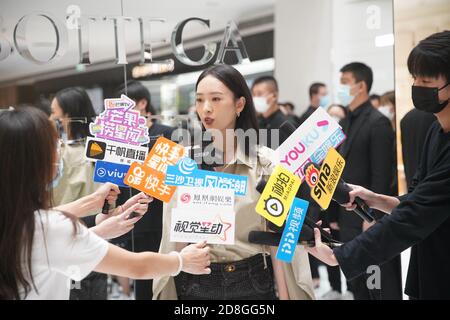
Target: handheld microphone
342	189
105	209
273	239
341	196
204	154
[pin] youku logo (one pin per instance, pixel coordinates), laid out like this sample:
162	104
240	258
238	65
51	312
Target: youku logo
304	143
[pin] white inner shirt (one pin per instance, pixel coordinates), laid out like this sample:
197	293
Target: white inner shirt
58	256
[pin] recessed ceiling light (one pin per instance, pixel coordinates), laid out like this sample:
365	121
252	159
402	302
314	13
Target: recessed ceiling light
385	40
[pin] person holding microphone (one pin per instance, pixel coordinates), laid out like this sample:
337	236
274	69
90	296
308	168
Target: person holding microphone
421	218
43	248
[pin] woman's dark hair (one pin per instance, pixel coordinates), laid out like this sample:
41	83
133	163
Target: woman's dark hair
28	145
75	103
235	82
431	57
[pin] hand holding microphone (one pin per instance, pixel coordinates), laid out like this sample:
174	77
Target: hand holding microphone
321	251
106	195
347	197
342	195
358	192
374	200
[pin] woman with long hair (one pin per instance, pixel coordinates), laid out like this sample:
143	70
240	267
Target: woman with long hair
242	270
42	249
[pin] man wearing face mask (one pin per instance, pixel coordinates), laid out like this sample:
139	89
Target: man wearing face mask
270	117
318	97
369	151
421	218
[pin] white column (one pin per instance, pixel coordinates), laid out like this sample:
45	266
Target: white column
303	42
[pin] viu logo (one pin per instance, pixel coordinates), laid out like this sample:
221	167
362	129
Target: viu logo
102	172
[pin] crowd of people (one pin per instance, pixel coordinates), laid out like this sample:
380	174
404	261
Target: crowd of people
55	243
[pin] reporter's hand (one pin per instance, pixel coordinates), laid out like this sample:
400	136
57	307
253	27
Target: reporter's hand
322	251
196	259
334	226
368	196
117	225
142	199
108	191
367	225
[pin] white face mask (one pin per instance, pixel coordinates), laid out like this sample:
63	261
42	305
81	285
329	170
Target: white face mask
261	104
344	95
386	111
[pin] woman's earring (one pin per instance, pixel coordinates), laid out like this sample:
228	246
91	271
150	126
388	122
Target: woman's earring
238	114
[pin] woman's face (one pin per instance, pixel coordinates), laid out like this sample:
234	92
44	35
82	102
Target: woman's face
57	111
216	105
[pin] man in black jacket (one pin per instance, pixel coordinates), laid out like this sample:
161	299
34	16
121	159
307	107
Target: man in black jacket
318	97
420	218
270	117
413	128
369	155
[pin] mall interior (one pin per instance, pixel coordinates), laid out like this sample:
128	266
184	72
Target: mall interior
68	57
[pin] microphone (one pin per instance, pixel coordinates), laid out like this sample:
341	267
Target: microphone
204	154
342	189
273	239
105	209
341	196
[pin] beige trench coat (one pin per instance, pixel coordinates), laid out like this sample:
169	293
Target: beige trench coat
297	273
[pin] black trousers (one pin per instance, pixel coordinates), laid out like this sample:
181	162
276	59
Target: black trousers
93	287
148	241
334	273
246	279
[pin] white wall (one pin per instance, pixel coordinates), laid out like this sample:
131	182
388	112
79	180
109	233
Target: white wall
302	47
314	39
355	27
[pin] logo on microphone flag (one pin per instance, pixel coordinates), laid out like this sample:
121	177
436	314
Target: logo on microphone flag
310	142
277	197
311	175
150	177
291	232
328	178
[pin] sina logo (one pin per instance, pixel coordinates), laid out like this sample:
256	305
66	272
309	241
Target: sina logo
311	175
273	206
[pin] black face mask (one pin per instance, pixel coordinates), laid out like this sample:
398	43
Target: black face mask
427	99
